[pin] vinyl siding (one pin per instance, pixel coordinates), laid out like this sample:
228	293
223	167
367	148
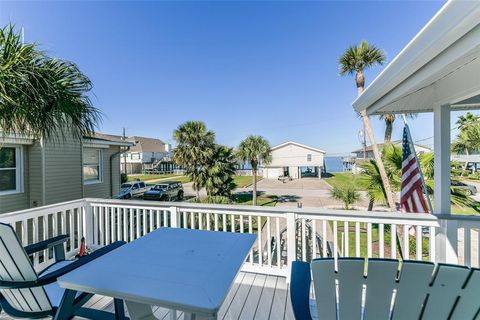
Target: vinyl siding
103	189
18	201
63	173
35	175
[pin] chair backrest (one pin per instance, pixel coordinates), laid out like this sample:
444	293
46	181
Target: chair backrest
300	281
389	289
16	266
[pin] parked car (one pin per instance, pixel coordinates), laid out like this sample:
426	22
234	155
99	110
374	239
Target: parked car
468	188
165	191
131	189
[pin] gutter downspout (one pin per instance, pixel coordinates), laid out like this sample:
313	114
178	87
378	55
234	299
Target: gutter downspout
111	167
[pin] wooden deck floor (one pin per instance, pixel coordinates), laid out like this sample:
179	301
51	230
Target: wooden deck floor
252	296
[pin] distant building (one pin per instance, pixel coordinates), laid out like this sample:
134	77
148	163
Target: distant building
369	151
295	160
147	154
351	163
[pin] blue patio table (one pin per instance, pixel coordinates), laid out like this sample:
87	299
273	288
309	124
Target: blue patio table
179	269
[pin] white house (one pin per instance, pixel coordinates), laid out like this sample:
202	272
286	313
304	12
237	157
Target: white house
295	160
144	154
419	149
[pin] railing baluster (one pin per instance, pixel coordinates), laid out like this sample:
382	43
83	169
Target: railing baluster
192	220
369	239
107	225
125	226
200	221
216	221
357	239
381	240
304	240
139	222
335	240
250	230
324	239
224	217
208	220
113	225
393	241
151	216
269	243
165	218
132	225
232	223
241	223
259	239
346	244
277	241
144	221
467	259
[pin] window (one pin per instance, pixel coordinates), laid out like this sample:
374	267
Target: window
10	170
309	157
136	156
92	166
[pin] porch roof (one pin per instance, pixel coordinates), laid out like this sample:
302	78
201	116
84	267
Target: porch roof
439	66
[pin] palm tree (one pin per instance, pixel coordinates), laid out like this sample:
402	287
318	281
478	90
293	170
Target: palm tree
42	96
255	150
220	171
348	195
355	60
389	120
372	182
195	145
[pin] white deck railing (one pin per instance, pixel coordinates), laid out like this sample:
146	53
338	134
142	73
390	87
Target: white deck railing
283	234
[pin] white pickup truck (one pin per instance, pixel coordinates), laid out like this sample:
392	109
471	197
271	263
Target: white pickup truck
131	189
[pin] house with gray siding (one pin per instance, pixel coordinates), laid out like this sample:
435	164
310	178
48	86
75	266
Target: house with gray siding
36	173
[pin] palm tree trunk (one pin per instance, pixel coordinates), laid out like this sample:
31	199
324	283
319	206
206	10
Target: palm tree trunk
376	153
466	162
388	131
254	191
370	203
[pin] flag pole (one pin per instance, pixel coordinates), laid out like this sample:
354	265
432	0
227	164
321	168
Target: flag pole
412	147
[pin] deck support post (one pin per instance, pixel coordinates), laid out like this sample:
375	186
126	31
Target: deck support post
446	235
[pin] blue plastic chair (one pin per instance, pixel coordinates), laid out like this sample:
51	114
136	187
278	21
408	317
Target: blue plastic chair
300	290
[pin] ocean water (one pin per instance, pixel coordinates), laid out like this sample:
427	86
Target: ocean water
334	164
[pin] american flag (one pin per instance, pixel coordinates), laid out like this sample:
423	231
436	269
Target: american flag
411	196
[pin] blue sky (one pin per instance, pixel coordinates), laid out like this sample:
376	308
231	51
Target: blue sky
266	68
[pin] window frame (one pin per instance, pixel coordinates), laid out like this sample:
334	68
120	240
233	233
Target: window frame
100	168
19	172
309	157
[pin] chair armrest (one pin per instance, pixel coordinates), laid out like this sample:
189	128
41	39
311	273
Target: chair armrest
52	276
46	244
80	262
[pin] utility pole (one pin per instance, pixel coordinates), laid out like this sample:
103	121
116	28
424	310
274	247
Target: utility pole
124	155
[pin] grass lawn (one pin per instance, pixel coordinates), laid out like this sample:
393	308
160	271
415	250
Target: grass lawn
375	241
262	200
146	177
344	179
243	181
464	210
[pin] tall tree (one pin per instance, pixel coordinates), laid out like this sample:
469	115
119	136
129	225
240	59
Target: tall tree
220	170
195	146
355	60
468	137
39	95
389	120
255	150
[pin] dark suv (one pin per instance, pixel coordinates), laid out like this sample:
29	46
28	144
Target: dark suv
165	191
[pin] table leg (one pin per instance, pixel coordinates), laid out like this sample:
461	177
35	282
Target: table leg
139	311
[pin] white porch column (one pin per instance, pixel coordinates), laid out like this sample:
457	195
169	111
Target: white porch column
446	237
